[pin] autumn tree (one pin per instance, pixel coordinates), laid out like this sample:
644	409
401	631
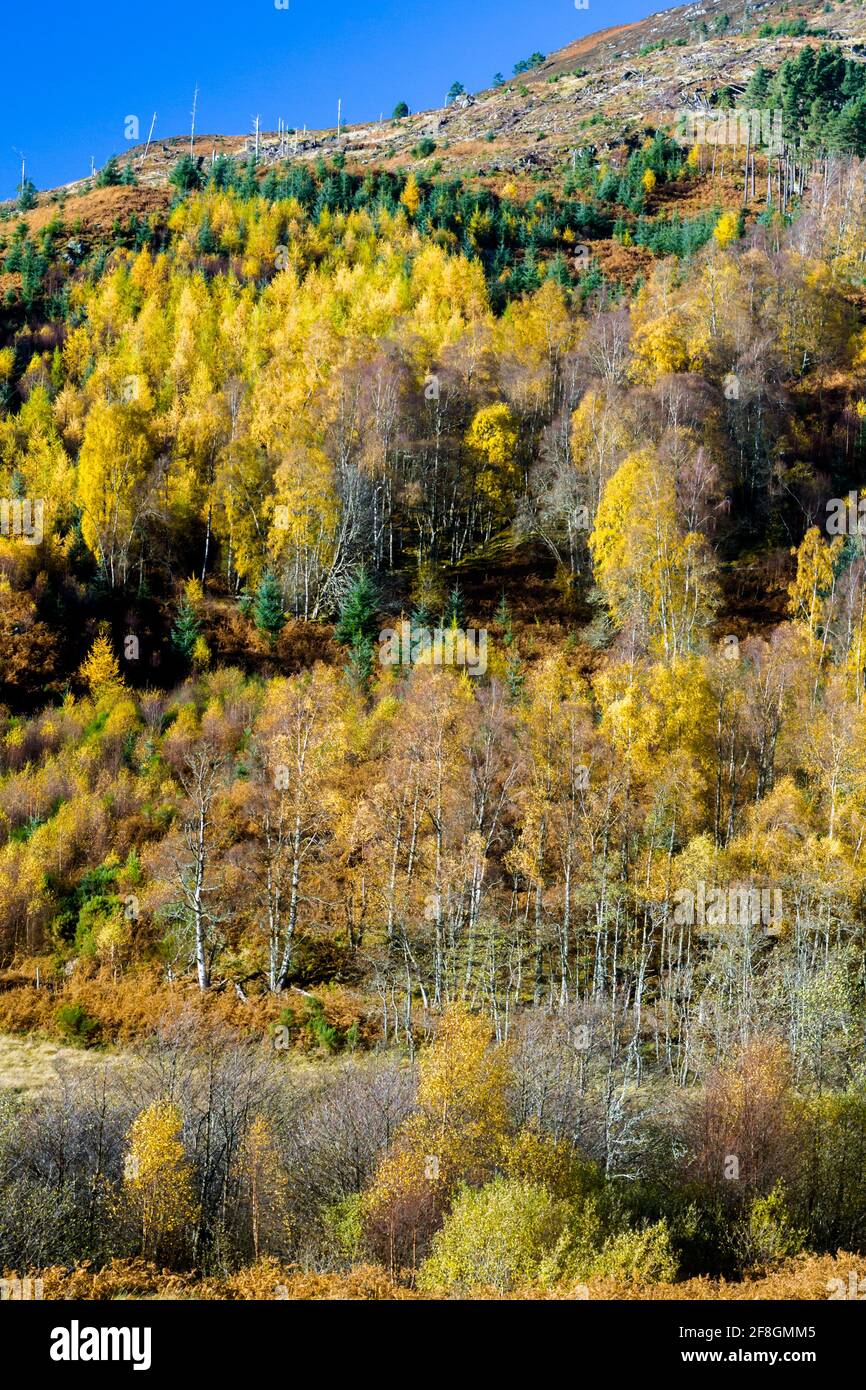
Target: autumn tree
458	1130
653	574
116	485
260	1169
194	865
157	1178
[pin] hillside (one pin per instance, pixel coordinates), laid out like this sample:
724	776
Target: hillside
432	671
634	77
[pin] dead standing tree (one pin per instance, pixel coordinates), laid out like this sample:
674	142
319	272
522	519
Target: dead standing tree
199	780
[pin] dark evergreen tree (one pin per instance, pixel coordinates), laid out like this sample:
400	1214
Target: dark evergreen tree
207	242
223	172
357	619
359	667
186	630
268	614
185	175
109	175
757	88
26	196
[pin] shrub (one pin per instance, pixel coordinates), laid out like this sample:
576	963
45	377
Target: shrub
536	1157
767	1233
640	1257
344	1221
324	1033
504	1234
76	1025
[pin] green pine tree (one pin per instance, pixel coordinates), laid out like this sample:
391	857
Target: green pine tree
357	618
109	174
502	618
185	175
26	196
268	614
514	677
186	630
359	667
455	609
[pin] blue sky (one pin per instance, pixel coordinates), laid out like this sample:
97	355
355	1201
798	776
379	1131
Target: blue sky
83	68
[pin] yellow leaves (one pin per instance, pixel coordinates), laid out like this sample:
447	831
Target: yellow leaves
650	571
480	228
463	1083
492	438
536	1157
100	670
448	293
858	353
493	434
194	331
149	274
506	1234
461	1124
306	513
713	310
656	712
113	468
535	332
194	593
411	197
725	230
157	1180
122	718
813	584
659	348
260	1167
648	180
609	540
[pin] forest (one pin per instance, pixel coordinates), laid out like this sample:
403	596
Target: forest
403	978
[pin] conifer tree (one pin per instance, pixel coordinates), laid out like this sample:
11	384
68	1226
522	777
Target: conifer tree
186	630
100	670
357	612
268	614
455	609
